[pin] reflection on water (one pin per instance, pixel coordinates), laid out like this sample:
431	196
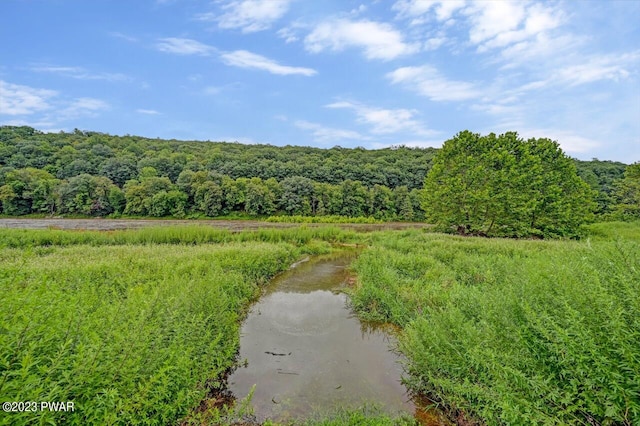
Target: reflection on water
307	352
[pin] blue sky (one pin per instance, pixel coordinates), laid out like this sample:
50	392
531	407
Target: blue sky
326	73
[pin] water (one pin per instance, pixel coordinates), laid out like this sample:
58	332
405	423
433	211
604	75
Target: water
306	352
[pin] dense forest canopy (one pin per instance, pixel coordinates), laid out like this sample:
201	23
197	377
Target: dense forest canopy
92	173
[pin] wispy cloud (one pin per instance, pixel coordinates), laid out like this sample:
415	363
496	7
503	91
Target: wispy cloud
415	8
16	99
377	39
514	31
429	82
325	134
569	141
43	107
385	121
184	46
614	67
79	73
147	111
122	36
248	15
80	107
237	58
288	34
245	59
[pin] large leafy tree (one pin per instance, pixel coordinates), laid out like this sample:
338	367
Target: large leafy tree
297	194
259	199
506	186
89	195
27	191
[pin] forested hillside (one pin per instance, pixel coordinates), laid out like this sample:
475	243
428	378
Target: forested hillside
91	173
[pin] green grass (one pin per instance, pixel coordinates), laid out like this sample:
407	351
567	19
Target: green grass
514	332
137	326
365	416
134	327
614	230
189	235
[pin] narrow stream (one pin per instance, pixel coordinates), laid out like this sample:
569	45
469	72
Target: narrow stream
306	352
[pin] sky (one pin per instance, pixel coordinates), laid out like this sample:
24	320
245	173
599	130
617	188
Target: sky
369	74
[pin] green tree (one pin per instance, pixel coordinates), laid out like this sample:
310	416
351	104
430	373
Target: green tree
139	194
209	198
402	201
168	203
627	194
119	170
326	199
233	194
27	191
505	186
259	200
354	200
382	206
88	195
297	193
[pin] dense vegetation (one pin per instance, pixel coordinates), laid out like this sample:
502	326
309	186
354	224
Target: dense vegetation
130	327
506	186
96	174
514	332
137	326
90	173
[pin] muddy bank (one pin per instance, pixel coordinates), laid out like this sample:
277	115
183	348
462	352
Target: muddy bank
233	225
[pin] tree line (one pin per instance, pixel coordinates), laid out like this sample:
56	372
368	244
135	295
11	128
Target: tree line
201	194
96	174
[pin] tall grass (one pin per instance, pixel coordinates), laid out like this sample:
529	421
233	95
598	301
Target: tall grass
132	334
514	332
189	235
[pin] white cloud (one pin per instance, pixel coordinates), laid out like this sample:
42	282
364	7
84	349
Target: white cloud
607	67
385	121
147	111
288	34
79	73
184	46
427	81
378	40
568	73
569	141
16	99
81	107
413	8
244	59
434	43
497	25
328	134
491	19
249	15
523	25
45	108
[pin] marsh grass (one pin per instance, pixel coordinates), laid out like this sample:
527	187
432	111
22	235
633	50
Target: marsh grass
514	332
185	235
134	327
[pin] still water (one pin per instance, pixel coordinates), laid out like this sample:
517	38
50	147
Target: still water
306	352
